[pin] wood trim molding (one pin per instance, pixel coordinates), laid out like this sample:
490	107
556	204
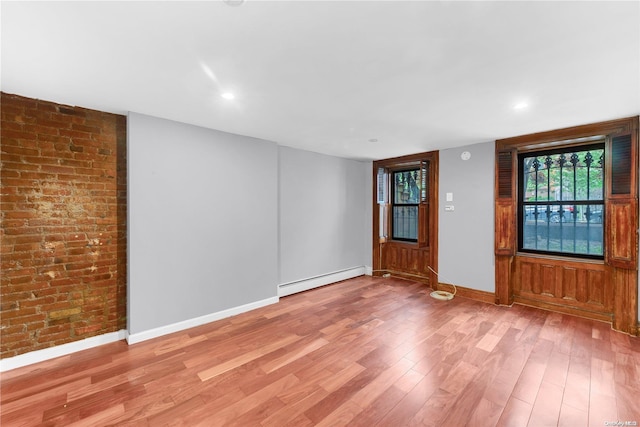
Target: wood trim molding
625	305
402	259
461	291
621	217
404	276
559	308
504	276
545	139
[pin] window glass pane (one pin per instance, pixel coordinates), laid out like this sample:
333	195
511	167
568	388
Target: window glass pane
562	201
405	222
564	176
406	187
564	232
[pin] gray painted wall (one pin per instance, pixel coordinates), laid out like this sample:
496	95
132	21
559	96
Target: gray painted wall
325	214
466	234
300	215
202	221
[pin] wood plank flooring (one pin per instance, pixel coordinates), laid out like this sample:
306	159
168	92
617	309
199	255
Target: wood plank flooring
363	352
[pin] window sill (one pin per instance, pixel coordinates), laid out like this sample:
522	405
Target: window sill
560	258
403	242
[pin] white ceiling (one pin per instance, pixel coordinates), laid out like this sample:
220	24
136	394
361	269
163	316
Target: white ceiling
330	76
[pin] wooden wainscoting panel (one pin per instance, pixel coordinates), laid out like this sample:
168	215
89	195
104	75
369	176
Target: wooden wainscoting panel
425	260
626	300
504	293
548	276
390	256
580	286
582	290
414	259
407	258
505	228
598	292
527	279
568	285
404	258
621	233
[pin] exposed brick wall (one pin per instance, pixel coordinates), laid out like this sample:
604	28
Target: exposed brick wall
63	199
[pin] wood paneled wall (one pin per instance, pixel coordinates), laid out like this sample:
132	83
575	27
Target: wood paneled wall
408	258
600	289
584	287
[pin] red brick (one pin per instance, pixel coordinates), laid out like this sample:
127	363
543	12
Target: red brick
7	158
35	326
57	337
58	143
18	313
17	134
63	183
75	134
9	148
16	337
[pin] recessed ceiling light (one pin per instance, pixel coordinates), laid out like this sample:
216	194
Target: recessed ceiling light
520	105
228	95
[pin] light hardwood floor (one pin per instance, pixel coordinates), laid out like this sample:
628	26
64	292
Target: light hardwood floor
363	352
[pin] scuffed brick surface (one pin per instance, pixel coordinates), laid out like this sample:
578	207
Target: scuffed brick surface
63	198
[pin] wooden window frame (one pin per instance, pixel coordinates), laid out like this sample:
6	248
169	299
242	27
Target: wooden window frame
620	220
407	258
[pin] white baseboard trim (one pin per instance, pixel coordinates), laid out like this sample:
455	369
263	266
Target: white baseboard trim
197	321
368	270
59	350
302	285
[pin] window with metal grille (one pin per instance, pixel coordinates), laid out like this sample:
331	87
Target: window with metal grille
561	201
405	200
